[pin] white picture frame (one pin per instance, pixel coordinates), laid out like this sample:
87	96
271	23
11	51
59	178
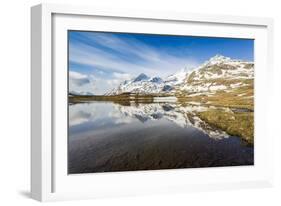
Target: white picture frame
49	180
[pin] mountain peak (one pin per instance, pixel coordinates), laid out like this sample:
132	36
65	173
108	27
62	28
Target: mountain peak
141	77
219	58
156	80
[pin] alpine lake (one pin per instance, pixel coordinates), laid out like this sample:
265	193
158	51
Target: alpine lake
130	133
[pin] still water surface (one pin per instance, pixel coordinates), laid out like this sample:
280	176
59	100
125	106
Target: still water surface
105	136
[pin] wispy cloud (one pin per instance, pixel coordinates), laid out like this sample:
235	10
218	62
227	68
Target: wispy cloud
123	58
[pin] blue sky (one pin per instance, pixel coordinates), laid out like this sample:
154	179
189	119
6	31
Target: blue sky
100	61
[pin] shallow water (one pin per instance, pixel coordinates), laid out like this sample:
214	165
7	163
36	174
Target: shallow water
105	136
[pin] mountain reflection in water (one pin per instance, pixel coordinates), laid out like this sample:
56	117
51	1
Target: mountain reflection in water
105	136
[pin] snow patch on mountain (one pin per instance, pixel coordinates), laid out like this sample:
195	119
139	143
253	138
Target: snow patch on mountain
178	77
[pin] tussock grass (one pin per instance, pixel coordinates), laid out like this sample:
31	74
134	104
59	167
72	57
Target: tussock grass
239	124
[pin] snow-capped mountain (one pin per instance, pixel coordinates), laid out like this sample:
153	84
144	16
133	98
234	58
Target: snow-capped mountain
216	60
218	73
142	84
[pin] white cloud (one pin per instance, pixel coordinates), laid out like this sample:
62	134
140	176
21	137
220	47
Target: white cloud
79	82
84	54
120	59
131	46
78	79
122	76
76	75
82	83
151	61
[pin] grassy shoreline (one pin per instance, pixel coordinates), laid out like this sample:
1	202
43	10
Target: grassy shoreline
121	99
235	124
